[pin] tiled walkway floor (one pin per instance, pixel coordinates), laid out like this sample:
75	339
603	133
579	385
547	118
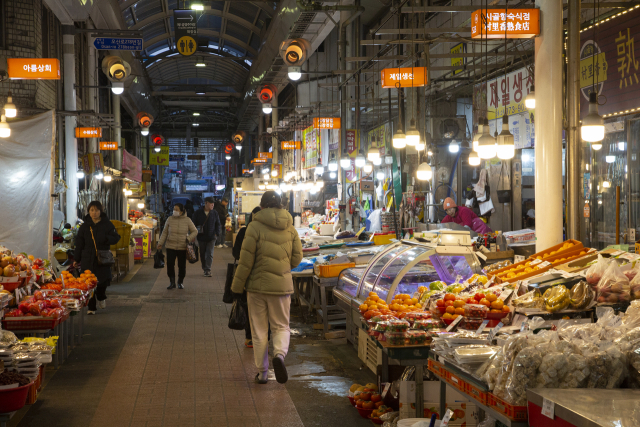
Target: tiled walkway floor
181	365
156	357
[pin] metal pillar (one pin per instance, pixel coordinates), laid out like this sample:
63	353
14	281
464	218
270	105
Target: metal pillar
574	143
548	177
71	144
274	126
117	127
93	93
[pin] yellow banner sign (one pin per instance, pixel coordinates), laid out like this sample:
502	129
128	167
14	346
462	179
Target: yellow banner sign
290	145
161	158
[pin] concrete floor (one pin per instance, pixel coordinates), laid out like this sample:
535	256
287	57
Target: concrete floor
166	358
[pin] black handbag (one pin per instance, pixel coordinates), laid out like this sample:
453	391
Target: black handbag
227	297
504	196
103	256
192	253
158	259
238	317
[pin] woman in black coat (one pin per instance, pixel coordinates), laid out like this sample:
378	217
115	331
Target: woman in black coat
99	233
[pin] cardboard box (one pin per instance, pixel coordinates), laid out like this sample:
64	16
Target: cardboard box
367	186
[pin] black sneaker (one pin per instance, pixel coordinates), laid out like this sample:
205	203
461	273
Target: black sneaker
172	285
207	274
279	369
180	286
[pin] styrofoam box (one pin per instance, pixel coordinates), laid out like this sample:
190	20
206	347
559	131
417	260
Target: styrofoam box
431	393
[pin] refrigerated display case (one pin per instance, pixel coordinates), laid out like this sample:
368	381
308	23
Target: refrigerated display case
401	269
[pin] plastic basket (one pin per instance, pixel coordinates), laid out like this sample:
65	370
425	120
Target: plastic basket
333	270
455	380
26	324
14	399
383	239
516	413
576	245
436	367
124	230
476	393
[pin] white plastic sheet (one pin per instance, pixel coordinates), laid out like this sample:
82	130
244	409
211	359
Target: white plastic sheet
26	174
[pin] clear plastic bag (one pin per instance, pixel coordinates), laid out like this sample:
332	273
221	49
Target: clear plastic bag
596	271
488	422
613	286
523	374
607	366
531	299
634	285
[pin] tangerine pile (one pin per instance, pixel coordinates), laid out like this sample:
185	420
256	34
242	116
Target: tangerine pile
401	304
86	281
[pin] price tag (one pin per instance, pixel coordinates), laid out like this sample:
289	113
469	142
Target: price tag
616	253
547	408
630	257
536	262
481	255
494	331
386	390
447	417
545	264
518	258
493	247
506	294
524	326
454	324
481	328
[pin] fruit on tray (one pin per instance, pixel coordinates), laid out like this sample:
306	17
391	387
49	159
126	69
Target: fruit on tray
476	310
556	298
354	387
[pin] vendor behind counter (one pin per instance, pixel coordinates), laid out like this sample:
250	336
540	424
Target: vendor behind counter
464	216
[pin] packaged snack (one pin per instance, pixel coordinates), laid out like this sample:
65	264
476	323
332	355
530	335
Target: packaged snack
523	375
556	298
416	337
476	310
398	325
581	295
472	323
531	299
490	370
607	366
596	271
613	286
427	324
395	338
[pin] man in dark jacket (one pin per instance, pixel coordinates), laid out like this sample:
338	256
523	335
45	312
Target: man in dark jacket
221	208
97	233
208	224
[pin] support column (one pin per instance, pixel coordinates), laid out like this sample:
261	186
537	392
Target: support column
548	126
117	130
71	144
574	143
274	126
92	93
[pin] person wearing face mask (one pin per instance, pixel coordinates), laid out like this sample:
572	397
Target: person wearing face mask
96	233
178	231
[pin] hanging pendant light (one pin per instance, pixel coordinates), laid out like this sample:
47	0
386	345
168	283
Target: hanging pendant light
399	139
505	148
530	100
592	129
10	109
319	169
360	160
454	147
368	167
596	146
333	163
380	175
345	160
5	130
388	159
486	143
413	135
424	172
474	160
373	154
477	136
377	162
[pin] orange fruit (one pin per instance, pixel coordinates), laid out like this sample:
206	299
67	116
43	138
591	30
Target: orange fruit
459	310
491	297
450	309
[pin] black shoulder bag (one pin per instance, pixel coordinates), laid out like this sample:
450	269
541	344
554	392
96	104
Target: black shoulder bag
104	256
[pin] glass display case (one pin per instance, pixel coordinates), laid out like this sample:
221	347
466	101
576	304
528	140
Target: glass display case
402	268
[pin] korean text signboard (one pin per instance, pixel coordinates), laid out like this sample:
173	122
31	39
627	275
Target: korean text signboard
33	68
185	26
108	145
312	146
131	167
494	23
290	145
459	61
353	145
508	93
259	161
88	132
406	77
161	158
118	43
611	65
265	155
326	123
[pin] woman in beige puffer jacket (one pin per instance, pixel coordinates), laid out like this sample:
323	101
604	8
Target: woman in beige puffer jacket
271	248
178	230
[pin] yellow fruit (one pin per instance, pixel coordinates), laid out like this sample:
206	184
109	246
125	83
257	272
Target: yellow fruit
364	307
539	257
354	388
372	294
375	297
414	301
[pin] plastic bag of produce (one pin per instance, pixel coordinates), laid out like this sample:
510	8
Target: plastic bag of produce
490	369
634	286
523	374
613	286
531	299
488	422
607	366
556	298
596	271
632	272
581	295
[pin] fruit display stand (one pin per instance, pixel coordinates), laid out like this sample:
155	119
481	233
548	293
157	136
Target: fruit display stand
583	407
452	375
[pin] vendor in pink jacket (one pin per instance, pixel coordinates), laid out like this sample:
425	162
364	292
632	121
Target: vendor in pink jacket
464	216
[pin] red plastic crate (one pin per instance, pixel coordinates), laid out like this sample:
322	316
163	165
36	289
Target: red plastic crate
476	393
436	367
455	380
26	324
516	413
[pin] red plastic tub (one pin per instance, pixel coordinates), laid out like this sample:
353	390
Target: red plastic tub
14	398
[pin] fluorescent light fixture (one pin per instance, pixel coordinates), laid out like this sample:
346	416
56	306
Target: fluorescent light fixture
486	143
196	114
267	109
227	156
413	135
200	64
197	7
200	93
399	139
373	154
606	184
596	146
621	145
239	147
505	146
420	146
274	172
117	87
140	205
592	129
295	73
333	163
610	159
261	185
424	172
195	124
